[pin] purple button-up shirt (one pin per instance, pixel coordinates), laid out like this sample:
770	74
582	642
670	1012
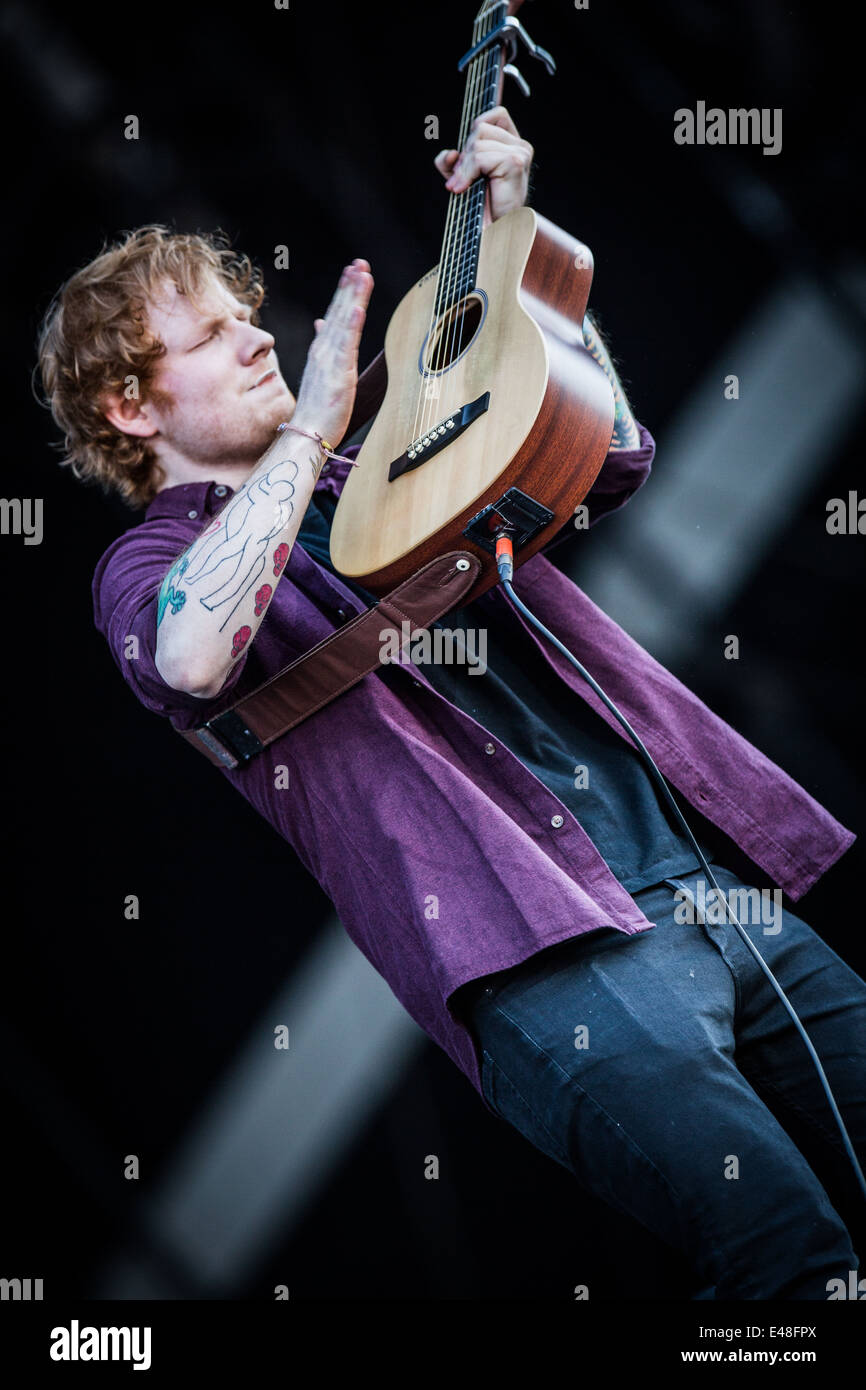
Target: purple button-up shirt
444	862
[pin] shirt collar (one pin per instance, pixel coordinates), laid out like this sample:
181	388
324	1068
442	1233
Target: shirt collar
206	498
191	500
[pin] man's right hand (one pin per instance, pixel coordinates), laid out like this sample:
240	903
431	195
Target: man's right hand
326	394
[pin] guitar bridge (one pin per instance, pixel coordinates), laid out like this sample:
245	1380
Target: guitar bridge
437	437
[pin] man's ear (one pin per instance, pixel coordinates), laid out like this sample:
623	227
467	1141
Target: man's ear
130	416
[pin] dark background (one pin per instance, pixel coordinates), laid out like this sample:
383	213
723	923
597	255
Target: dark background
306	127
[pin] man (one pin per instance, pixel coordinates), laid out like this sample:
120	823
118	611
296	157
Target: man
491	840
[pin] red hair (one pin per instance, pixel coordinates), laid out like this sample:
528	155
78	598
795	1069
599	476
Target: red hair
94	337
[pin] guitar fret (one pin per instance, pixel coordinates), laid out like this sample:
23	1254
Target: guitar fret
457	290
459	265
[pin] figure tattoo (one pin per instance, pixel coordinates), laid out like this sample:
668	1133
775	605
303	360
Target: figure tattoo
230	558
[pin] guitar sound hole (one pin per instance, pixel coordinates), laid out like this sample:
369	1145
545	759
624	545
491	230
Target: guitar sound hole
453	334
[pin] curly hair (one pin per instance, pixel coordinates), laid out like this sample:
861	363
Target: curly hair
94	337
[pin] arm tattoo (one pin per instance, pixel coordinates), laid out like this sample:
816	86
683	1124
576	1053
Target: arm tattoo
262	596
168	594
231	556
625	431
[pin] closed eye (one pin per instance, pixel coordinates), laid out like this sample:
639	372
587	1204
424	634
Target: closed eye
215	332
244	316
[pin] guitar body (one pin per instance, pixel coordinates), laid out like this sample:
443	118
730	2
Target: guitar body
545	427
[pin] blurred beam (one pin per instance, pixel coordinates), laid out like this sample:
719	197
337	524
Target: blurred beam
730	473
70	85
278	1126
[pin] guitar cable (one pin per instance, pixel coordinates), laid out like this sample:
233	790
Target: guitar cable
505	565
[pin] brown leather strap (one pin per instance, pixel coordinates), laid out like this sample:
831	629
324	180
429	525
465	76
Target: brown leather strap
335	664
369	394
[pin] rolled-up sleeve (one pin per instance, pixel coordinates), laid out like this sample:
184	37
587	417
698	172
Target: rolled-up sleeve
623	472
126	585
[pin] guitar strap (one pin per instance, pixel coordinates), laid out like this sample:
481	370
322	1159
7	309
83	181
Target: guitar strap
369	394
342	659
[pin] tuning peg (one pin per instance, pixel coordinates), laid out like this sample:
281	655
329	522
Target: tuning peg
511	71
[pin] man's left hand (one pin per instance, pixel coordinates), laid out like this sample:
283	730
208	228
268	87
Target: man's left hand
494	148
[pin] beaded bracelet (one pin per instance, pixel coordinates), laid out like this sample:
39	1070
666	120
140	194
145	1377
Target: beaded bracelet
284	425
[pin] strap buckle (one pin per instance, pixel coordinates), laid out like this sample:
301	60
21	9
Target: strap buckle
227	736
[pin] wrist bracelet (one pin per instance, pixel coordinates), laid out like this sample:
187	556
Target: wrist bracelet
284	425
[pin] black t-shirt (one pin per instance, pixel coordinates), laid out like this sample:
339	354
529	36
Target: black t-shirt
599	776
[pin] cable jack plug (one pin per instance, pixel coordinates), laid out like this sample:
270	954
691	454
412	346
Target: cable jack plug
505	556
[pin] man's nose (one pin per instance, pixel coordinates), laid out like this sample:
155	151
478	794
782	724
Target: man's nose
258	344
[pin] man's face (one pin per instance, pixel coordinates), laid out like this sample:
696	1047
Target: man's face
219	391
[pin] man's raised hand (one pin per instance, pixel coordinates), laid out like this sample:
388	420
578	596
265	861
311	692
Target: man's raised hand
326	394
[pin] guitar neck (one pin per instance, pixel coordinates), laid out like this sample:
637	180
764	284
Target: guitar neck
458	264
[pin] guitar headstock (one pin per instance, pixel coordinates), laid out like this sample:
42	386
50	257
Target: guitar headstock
511	8
495	23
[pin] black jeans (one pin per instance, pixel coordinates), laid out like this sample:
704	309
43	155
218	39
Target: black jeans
663	1071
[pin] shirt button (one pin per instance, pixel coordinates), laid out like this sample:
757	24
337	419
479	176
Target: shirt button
221	490
325	468
192	515
490	747
557	821
341	614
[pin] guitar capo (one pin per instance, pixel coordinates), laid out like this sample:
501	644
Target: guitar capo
507	33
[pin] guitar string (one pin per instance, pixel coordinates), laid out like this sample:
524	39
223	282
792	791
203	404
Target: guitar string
443	257
425	396
444	348
467	203
418	430
489	80
468	197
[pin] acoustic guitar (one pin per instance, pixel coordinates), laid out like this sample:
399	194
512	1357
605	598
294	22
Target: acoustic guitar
494	413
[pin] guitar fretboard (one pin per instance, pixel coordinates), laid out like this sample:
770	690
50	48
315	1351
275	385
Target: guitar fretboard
458	266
